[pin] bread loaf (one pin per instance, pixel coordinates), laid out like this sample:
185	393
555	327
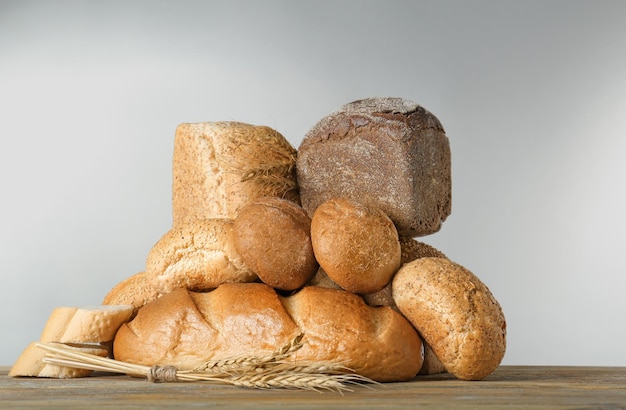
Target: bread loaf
30	362
87	324
455	313
197	255
89	329
220	166
273	237
356	245
186	329
388	153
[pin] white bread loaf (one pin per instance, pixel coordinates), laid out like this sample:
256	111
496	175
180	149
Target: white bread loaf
220	166
30	362
186	329
88	324
89	329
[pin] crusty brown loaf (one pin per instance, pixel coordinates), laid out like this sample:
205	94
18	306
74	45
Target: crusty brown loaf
455	313
385	152
356	245
186	329
220	166
197	255
273	237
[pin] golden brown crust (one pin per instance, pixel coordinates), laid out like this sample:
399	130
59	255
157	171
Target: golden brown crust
198	255
338	326
136	290
357	246
185	329
411	249
220	166
273	237
455	313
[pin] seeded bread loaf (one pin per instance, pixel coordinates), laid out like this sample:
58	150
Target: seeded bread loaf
455	313
389	153
197	255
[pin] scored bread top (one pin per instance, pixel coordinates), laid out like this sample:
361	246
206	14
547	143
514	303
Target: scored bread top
186	329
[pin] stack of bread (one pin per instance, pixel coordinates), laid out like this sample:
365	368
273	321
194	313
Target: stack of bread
269	242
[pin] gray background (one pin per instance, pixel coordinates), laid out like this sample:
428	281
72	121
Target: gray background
532	96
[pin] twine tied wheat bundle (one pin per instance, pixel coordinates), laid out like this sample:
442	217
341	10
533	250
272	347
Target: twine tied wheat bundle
271	371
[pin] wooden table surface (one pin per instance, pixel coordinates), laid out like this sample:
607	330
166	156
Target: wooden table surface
527	387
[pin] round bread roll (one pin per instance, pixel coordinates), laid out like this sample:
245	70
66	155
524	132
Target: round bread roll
455	313
357	246
186	329
273	237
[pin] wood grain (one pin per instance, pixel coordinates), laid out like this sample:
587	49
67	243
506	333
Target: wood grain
507	388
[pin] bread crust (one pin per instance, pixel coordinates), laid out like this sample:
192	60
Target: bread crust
356	245
273	237
87	324
220	166
30	362
198	255
455	313
386	152
185	329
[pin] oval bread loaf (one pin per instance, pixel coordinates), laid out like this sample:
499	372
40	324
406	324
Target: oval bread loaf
455	313
186	329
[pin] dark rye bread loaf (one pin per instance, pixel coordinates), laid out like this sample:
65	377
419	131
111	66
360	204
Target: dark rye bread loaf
385	152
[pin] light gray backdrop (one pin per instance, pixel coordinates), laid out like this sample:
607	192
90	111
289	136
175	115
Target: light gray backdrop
532	95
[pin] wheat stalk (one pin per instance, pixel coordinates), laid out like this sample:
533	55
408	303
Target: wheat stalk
272	371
